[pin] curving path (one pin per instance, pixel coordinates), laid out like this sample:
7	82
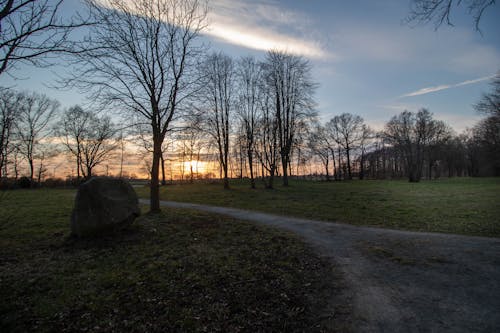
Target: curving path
401	281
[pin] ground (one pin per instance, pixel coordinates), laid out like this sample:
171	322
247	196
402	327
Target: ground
401	281
467	206
182	271
335	276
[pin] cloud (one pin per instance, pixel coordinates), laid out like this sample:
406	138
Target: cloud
428	90
260	25
263	25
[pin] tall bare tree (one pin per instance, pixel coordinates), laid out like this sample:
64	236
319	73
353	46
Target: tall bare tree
71	130
347	129
249	87
411	134
487	131
36	112
319	145
89	138
190	137
267	149
220	95
31	30
8	116
489	104
366	135
140	56
289	79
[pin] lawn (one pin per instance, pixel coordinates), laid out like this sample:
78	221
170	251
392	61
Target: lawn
177	271
468	206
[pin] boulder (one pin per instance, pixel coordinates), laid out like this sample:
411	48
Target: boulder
103	204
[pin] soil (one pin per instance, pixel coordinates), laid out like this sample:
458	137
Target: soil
400	281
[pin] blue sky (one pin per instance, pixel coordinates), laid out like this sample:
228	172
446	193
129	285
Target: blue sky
366	61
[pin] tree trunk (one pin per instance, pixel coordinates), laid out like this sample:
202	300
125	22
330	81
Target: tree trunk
334	168
339	166
349	174
284	162
413	174
78	161
226	178
32	171
154	196
270	182
362	167
163	180
250	168
326	169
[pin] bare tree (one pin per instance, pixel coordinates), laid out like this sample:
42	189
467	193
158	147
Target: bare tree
219	93
267	149
489	104
36	111
319	146
438	134
439	11
486	133
140	56
190	137
71	130
411	134
249	82
8	116
347	129
30	30
89	138
99	142
366	135
288	77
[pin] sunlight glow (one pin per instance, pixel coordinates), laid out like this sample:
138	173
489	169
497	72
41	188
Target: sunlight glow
198	167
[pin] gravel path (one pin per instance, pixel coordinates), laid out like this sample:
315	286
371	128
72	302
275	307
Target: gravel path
401	281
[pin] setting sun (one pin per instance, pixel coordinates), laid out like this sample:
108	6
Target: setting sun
195	165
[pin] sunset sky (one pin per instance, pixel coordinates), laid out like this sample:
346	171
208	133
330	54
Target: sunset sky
365	59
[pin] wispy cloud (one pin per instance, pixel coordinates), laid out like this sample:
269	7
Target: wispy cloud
428	90
263	25
260	25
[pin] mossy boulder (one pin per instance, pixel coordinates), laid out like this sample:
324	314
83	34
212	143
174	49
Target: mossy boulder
103	204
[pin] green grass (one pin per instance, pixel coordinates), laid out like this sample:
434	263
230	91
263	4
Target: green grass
468	206
177	271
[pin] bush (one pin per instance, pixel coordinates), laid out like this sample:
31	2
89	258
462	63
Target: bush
8	184
24	182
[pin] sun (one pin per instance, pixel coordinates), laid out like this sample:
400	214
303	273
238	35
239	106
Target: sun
195	165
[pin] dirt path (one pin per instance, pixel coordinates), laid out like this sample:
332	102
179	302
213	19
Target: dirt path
402	281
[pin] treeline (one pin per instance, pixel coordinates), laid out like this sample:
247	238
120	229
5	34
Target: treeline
412	145
34	132
256	119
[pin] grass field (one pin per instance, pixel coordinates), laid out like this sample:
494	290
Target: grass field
178	271
469	206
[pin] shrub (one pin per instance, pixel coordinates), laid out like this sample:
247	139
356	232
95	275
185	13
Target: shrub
24	182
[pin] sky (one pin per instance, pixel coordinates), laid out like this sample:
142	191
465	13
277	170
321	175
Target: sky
365	59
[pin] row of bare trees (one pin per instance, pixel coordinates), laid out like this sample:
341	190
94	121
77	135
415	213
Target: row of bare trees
34	129
261	105
24	123
144	58
412	145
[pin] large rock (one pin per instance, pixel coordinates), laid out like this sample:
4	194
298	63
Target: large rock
103	204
